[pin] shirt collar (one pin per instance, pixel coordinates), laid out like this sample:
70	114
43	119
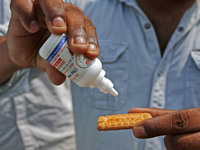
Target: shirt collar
190	17
129	2
132	3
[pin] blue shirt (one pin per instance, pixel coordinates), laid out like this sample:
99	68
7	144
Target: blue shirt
131	57
34	114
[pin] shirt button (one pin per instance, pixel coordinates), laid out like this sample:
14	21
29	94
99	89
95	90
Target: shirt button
180	29
147	26
159	73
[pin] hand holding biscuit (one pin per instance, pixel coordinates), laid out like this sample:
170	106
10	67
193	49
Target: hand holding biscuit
120	121
180	127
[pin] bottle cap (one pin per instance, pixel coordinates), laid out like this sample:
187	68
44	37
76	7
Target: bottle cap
113	92
104	84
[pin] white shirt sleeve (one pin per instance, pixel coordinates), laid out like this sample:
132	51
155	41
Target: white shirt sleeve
3	29
4	16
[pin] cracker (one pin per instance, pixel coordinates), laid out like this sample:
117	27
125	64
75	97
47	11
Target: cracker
120	121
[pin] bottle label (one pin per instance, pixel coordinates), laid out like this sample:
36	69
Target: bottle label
74	66
82	61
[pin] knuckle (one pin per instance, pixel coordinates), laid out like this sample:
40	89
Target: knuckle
91	30
14	5
150	128
89	22
180	144
50	8
74	30
89	25
168	142
23	11
72	9
180	121
175	143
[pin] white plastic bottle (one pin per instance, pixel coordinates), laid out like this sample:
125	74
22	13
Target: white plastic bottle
81	70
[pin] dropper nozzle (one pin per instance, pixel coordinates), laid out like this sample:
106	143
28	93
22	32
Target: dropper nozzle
113	92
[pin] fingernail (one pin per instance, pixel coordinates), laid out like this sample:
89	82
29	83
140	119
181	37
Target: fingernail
92	47
139	131
80	40
58	22
34	26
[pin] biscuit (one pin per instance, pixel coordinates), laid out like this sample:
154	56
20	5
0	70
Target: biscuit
120	121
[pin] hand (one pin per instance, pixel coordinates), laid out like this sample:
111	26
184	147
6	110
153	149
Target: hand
180	127
33	21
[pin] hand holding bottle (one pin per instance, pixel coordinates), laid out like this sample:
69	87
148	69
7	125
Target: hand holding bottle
32	22
81	70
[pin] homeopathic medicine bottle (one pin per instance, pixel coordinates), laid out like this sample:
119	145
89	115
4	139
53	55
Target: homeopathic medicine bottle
79	69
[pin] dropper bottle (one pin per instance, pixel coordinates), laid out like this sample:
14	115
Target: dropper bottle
79	69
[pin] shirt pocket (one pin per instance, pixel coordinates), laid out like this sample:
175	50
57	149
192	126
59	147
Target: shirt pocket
192	98
114	58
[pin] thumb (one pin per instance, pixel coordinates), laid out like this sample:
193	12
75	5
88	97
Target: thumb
23	10
55	76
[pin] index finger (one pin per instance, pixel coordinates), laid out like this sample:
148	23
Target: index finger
153	111
53	13
183	121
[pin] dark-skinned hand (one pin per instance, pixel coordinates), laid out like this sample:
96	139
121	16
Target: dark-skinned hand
181	128
33	21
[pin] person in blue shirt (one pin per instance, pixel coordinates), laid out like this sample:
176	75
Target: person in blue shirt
149	49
